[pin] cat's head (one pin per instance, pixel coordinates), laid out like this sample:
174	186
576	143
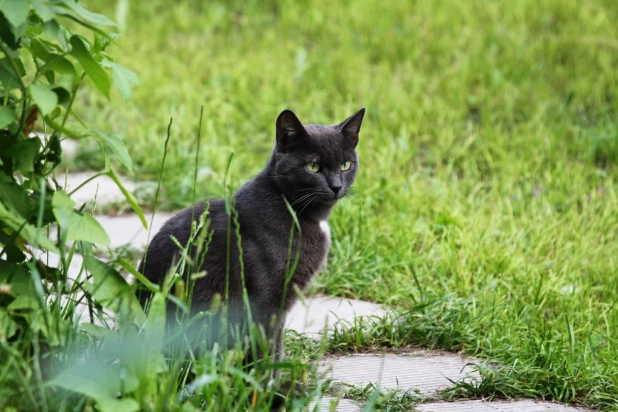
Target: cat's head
316	163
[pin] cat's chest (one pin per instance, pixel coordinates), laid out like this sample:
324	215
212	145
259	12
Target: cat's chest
315	236
315	242
325	228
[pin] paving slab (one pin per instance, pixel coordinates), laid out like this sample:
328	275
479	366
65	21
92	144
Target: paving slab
313	315
425	371
522	405
328	404
102	188
127	230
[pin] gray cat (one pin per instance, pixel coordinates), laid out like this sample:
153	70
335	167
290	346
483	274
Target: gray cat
312	166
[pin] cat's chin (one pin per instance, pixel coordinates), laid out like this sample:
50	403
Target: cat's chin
329	201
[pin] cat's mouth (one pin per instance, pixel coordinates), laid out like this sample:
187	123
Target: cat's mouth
331	199
305	200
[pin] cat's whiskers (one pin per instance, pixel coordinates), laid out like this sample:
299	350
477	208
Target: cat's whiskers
300	191
302	198
308	202
316	196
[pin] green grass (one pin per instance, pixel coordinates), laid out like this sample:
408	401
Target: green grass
487	194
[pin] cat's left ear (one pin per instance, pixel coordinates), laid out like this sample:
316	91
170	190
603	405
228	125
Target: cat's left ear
350	127
290	130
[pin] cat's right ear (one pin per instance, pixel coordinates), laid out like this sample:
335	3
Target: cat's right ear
350	127
289	130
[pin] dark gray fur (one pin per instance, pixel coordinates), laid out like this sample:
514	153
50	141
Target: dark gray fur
265	222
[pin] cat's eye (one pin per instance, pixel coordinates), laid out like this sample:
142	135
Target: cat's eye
314	167
346	165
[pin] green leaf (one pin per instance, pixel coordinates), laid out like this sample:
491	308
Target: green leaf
28	232
54	31
66	81
98	380
130	198
76	225
62	65
44	97
62	206
17	278
108	283
6	32
43	10
7	116
24	153
85	14
111	289
16	11
39	49
117	146
8	327
95	330
91	66
155	326
7	76
64	88
123	79
126	265
86	228
47	52
23	302
188	407
14	196
63	95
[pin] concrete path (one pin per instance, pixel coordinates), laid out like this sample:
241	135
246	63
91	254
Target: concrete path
312	316
420	371
522	405
424	371
129	231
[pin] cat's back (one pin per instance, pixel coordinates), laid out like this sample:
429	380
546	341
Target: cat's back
162	250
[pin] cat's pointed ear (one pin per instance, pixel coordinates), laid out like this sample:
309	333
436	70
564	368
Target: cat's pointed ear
350	127
289	130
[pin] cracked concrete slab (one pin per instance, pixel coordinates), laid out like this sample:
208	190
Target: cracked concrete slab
423	371
526	405
315	314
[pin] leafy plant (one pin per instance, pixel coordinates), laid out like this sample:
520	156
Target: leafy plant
49	49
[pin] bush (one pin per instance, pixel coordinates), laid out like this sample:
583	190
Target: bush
48	50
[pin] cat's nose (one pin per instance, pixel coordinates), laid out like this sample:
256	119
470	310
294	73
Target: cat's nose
335	189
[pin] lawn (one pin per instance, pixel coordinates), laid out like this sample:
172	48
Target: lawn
487	200
486	206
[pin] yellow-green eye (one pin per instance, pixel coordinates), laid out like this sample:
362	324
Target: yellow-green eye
346	165
314	167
